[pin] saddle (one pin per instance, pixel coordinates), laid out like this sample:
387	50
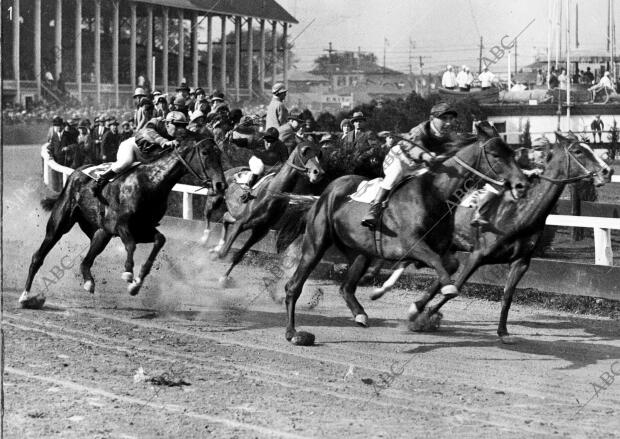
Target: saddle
242	178
96	170
367	189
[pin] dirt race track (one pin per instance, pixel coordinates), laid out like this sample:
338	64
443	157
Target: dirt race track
73	368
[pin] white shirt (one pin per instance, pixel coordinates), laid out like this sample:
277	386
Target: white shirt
486	79
606	82
463	79
448	79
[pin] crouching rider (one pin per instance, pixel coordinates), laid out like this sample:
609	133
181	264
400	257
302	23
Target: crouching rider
425	142
158	133
271	153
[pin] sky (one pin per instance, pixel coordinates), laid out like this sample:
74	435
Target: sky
442	31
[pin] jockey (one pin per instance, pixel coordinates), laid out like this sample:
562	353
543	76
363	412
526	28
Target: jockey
272	153
158	133
425	141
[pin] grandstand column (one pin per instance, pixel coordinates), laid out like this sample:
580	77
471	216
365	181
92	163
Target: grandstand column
165	37
37	45
16	73
195	48
132	46
274	51
237	53
261	58
223	42
209	55
250	55
149	45
78	47
58	39
181	46
98	50
285	55
115	51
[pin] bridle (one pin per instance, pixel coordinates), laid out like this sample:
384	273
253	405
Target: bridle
473	170
588	174
297	157
204	179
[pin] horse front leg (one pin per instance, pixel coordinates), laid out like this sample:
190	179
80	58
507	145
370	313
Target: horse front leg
158	242
98	243
347	289
517	270
130	247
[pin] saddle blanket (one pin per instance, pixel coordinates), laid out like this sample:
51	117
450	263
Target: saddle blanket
243	178
367	191
96	170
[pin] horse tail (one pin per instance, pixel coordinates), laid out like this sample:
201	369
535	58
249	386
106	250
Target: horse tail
293	222
48	203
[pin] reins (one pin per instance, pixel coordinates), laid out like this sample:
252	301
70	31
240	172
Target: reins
475	171
204	178
588	174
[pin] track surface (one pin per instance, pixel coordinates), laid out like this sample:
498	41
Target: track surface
69	369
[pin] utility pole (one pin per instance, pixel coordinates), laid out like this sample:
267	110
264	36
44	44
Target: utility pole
421	61
384	44
330	65
480	57
515	58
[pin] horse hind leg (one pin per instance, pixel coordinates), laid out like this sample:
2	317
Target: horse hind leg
59	223
347	289
130	247
158	242
98	243
257	234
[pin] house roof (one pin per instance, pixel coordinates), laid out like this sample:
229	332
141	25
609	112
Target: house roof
267	9
301	76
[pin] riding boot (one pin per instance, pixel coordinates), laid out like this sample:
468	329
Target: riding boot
101	182
481	217
247	196
371	218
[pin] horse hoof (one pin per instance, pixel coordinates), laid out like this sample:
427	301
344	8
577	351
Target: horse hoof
127	276
378	293
134	287
34	302
420	324
434	322
225	282
303	338
507	339
413	312
362	320
89	286
449	291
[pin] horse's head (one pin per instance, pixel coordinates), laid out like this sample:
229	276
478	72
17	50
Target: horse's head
494	160
305	158
580	161
203	160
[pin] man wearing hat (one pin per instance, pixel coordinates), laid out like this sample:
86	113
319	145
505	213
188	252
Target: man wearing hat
96	134
201	104
138	94
277	112
144	113
288	131
161	106
424	143
69	140
84	153
53	138
360	139
270	153
125	130
217	102
159	133
110	141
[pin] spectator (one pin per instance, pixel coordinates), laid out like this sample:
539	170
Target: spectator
69	140
125	130
563	80
553	79
110	142
217	102
539	78
201	104
588	77
360	139
345	127
486	78
161	106
53	138
597	127
604	84
144	113
448	80
96	134
277	113
85	152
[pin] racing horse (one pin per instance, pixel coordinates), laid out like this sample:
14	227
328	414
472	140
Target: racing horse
516	228
269	202
137	202
417	224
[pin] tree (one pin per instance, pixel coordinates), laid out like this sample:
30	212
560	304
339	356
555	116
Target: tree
342	61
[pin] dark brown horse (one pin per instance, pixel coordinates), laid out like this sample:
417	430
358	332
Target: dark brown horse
417	224
137	202
517	227
270	202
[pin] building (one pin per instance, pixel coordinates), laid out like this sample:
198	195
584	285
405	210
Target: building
43	37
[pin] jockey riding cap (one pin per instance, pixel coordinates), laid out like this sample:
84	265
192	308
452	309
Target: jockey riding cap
176	118
139	92
295	115
442	109
57	121
278	88
271	134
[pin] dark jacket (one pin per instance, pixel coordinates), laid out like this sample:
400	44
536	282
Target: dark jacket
288	136
85	153
53	147
68	145
421	139
96	138
361	141
277	153
153	136
109	145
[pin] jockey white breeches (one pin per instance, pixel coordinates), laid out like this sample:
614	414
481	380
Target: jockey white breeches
125	156
393	170
256	165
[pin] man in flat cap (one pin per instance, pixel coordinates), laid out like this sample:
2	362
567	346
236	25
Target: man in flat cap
277	113
424	143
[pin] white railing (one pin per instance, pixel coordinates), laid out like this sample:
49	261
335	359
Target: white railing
188	190
603	254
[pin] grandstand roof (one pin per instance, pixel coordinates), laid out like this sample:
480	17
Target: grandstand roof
267	9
